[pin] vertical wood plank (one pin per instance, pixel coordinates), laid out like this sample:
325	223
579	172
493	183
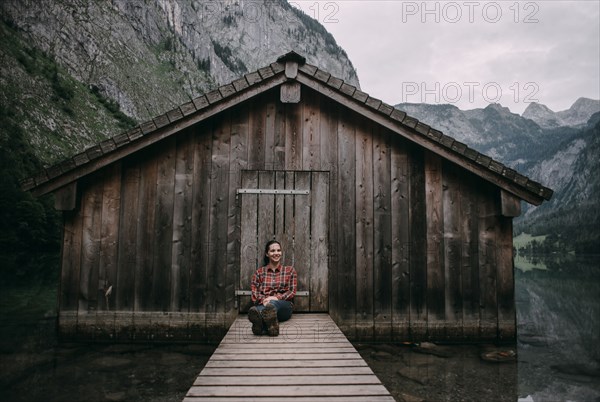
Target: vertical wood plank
163	229
452	250
107	269
279	211
125	286
270	115
302	249
382	233
182	223
266	206
470	259
126	251
418	242
329	162
400	205
346	227
145	233
287	237
200	224
505	281
257	136
91	211
435	263
319	217
250	247
111	204
71	254
293	136
364	231
487	264
219	192
279	137
69	275
238	161
311	131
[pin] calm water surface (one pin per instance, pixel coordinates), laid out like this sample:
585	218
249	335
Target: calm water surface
558	314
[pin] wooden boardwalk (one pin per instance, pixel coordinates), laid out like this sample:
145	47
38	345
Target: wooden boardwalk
310	360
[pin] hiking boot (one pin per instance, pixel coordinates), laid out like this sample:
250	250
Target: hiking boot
270	319
257	321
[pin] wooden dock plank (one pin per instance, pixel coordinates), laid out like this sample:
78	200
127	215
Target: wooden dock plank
299	348
315	391
311	359
291	380
251	371
289	363
287	356
369	398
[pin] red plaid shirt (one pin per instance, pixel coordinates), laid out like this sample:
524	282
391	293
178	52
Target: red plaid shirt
280	282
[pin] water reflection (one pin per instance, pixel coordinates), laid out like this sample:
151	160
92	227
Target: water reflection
558	315
35	367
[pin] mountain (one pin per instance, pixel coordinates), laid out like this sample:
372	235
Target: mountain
74	73
493	130
577	115
560	150
571	169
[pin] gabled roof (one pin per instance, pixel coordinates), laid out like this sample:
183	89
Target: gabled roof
289	67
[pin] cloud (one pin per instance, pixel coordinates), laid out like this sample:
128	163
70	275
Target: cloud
553	45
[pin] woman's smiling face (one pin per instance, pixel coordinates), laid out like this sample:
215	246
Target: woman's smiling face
274	253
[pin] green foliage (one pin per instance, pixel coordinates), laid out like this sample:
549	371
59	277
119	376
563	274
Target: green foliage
574	223
315	27
37	63
204	65
30	234
226	55
125	122
229	20
167	44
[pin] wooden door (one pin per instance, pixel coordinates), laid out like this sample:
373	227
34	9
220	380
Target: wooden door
291	207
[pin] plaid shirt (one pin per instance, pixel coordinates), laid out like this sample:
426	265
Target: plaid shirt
280	282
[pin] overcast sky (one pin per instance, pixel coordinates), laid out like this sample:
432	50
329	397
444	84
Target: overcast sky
469	53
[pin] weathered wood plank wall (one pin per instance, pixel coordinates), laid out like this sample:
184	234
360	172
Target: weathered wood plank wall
418	248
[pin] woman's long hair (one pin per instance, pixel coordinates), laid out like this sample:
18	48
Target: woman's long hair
269	244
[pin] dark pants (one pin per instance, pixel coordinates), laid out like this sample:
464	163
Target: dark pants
284	309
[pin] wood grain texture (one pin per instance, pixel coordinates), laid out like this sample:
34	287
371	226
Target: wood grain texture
382	236
314	367
400	247
393	240
364	232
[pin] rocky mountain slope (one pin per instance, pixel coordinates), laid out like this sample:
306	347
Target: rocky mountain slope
571	168
577	115
565	158
74	72
78	71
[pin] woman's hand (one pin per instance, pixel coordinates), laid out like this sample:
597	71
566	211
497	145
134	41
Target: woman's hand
268	299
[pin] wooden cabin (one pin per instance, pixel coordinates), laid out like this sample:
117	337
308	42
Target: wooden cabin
396	230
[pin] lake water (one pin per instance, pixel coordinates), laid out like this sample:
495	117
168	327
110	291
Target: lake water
558	315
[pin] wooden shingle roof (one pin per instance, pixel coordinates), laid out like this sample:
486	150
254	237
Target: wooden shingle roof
254	83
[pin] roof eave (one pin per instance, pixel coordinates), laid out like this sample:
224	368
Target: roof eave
152	131
421	134
252	84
